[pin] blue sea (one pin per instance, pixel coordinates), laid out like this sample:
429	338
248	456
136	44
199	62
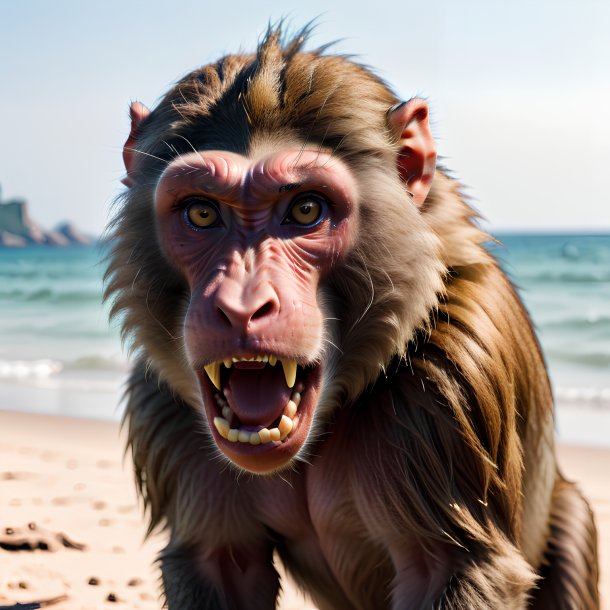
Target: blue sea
58	354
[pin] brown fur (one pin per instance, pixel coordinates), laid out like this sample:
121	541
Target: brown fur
429	479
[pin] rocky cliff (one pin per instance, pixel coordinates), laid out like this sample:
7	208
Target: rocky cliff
17	229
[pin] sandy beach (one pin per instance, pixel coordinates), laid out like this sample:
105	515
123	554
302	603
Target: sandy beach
71	532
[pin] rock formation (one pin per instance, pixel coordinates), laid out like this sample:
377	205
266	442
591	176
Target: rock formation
17	229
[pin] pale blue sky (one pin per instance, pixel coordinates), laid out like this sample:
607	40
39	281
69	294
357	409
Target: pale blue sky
519	92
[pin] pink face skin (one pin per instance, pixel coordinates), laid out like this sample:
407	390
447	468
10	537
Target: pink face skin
254	275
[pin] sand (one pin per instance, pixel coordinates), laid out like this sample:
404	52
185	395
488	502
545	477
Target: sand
67	503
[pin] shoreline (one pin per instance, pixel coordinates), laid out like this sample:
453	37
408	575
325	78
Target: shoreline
579	420
65	484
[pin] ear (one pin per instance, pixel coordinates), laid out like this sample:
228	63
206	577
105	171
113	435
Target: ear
417	154
137	112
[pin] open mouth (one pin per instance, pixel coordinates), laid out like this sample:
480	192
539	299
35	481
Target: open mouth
260	405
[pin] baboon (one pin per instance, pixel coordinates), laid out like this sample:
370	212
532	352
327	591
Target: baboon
329	363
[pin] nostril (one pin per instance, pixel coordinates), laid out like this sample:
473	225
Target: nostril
224	318
239	317
261	312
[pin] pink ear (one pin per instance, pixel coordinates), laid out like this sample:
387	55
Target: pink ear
417	155
137	112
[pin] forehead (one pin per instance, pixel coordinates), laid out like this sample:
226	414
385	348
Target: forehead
253	180
221	169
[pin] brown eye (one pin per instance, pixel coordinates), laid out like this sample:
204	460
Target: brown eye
202	214
306	210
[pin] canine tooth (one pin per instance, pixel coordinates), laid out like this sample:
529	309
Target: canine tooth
296	397
233	435
285	426
275	434
226	412
222	425
227	362
272	360
213	371
264	435
255	439
243	436
290	372
290	411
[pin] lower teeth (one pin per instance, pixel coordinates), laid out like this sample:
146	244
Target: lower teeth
262	436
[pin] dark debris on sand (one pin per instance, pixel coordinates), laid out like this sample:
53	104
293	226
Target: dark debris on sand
33	538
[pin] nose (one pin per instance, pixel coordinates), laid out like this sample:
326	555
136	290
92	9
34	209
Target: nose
246	308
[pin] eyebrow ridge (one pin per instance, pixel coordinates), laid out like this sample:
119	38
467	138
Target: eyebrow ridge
286	188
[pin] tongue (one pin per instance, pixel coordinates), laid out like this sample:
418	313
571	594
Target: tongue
257	397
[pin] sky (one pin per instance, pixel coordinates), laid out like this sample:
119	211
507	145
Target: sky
519	92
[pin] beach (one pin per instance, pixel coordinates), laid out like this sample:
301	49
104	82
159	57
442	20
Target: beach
72	532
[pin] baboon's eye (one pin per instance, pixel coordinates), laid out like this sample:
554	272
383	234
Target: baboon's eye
201	213
306	210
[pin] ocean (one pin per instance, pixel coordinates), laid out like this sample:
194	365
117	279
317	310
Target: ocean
59	355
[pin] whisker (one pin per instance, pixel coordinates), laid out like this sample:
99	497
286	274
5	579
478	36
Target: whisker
370	303
189	143
141	152
177	154
332	344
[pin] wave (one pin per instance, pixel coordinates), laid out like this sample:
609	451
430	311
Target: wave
48	295
566	277
43	274
45	368
590	359
96	363
63	330
591	323
595	397
86	374
29	369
